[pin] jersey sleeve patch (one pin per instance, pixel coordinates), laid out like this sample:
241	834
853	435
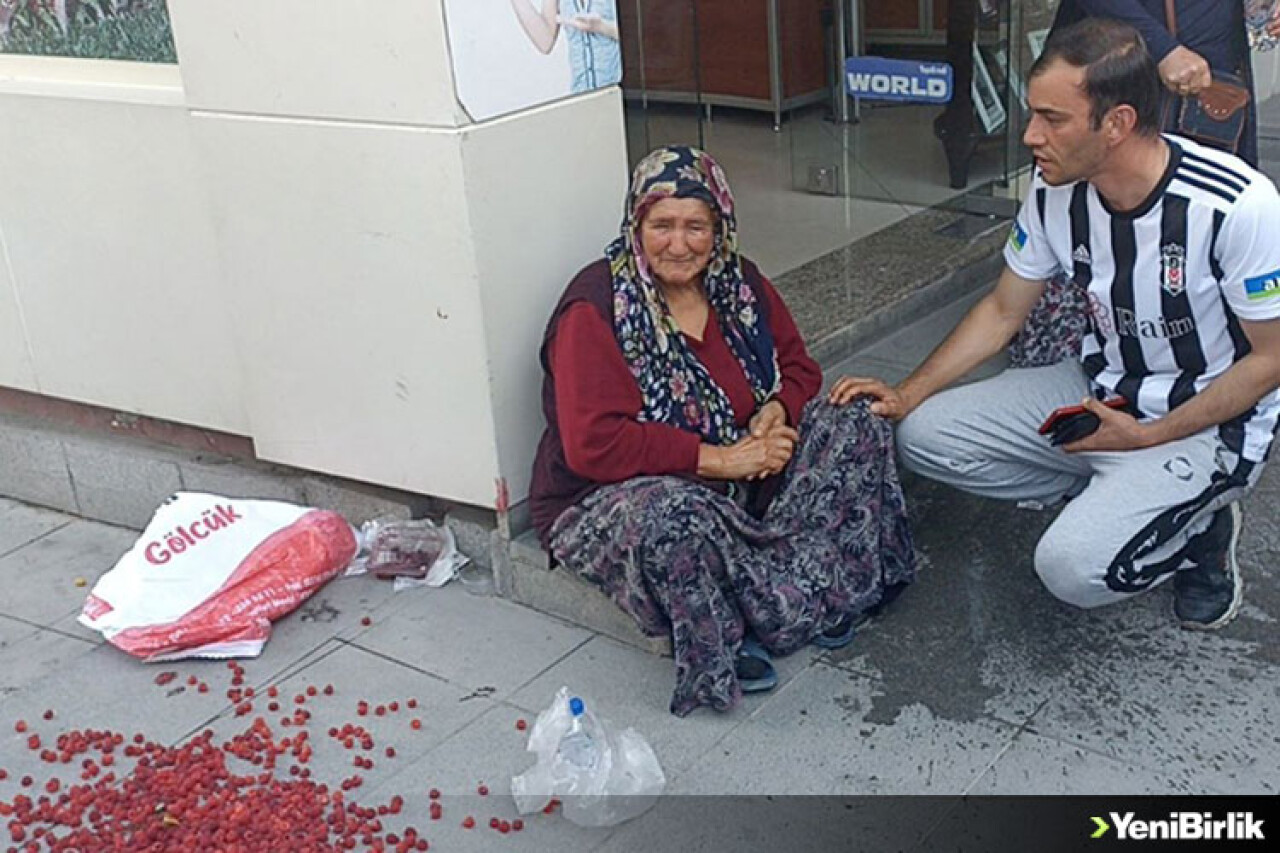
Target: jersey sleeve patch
1263	286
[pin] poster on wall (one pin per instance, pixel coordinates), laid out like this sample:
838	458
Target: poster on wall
136	30
510	55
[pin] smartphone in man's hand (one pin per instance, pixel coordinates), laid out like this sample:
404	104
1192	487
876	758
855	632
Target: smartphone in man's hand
1072	423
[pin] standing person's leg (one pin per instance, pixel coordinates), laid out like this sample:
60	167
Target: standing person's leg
983	437
1142	518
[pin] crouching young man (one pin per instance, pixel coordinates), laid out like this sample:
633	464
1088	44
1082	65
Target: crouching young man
1178	248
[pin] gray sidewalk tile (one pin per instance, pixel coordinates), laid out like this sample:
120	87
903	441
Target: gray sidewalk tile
894	357
488	751
632	688
820	735
1202	709
39	579
442	710
480	642
21	524
27	655
1043	766
974	636
337	609
99	689
890	371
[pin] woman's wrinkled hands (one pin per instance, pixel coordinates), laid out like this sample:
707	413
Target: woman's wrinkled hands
766	455
767	417
750	458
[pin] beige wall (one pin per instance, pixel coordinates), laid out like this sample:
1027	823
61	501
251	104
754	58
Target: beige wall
299	236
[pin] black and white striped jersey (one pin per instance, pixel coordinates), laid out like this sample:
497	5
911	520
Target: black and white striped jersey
1167	281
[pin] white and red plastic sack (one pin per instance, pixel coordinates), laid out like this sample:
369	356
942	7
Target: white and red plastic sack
209	575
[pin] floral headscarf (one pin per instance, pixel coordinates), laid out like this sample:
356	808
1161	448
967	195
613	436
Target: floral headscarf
675	386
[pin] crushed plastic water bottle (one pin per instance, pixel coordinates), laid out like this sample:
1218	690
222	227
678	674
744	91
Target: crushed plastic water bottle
1256	15
601	775
577	747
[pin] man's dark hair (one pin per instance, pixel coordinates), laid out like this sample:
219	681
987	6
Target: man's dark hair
1118	69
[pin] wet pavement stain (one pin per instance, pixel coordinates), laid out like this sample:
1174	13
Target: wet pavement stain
319	611
978	636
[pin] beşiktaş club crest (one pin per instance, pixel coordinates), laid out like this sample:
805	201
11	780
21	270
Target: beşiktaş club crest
1173	268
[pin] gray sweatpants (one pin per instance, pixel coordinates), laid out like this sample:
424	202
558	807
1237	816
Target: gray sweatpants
1130	515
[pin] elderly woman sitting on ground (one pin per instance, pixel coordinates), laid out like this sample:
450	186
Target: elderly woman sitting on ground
687	469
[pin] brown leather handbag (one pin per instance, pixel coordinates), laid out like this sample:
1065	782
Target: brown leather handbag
1215	116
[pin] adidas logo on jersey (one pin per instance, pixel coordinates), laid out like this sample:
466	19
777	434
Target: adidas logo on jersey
1081	255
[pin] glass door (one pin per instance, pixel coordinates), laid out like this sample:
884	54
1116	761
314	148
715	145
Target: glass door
759	84
661	75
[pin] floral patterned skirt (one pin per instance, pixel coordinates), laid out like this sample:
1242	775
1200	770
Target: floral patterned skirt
684	559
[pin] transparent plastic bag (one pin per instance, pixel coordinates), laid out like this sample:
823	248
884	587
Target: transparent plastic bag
413	552
621	781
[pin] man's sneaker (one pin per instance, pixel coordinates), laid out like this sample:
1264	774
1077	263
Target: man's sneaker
1207	595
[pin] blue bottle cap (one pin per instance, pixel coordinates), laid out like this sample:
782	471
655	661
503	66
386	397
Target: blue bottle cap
576	707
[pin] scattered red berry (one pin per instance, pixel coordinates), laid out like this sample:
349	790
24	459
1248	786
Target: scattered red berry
366	621
435	794
412	703
468	822
521	725
20	726
48	714
165	677
415	724
483	790
517	824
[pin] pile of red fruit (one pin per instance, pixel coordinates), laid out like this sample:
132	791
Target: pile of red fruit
192	797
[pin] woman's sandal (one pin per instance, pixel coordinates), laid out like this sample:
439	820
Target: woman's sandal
753	668
842	633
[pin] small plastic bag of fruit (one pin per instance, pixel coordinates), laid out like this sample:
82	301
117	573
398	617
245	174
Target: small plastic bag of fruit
412	552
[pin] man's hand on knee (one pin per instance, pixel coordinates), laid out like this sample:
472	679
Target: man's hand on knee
889	402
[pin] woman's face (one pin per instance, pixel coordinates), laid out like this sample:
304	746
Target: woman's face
676	237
